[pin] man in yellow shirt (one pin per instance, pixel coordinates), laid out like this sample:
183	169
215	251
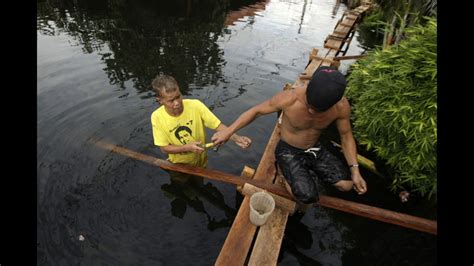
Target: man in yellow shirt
178	124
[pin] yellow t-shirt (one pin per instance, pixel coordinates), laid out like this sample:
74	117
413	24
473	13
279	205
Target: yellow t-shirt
187	127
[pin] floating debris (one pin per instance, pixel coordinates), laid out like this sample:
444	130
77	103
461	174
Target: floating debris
81	238
404	195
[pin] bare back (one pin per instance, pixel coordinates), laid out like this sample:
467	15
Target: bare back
301	125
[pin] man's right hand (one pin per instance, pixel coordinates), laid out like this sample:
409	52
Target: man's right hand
221	136
195	147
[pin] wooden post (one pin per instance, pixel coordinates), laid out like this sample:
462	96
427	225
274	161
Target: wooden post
248	173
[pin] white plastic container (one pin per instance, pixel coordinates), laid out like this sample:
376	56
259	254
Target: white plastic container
261	206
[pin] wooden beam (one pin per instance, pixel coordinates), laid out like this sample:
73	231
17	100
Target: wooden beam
308	73
346	24
333	46
315	62
268	242
349	57
336	38
237	244
335	64
408	221
281	202
248	173
238	241
344	33
192	170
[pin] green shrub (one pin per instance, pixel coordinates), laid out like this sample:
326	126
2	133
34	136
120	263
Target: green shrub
393	92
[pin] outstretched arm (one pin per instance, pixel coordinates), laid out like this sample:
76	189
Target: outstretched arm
271	105
242	141
349	147
194	146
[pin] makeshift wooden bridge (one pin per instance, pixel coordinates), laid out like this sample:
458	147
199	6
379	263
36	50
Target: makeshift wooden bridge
267	239
247	244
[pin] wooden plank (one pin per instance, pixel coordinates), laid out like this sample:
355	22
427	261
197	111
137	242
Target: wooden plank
349	57
268	242
409	221
331	44
280	202
332	53
347	24
343	29
266	169
238	241
247	172
192	170
341	33
313	54
312	66
335	37
335	64
269	238
353	12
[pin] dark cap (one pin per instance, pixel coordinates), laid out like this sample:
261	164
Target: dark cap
325	88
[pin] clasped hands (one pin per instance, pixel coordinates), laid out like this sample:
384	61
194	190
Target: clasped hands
222	136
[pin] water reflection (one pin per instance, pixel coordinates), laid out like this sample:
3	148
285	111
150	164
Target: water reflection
335	8
244	11
187	190
138	39
297	236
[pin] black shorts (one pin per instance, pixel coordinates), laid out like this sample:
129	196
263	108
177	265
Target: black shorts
301	169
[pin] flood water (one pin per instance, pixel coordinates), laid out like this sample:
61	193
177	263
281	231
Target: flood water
95	62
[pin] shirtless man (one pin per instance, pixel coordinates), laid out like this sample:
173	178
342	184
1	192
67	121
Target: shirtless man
307	111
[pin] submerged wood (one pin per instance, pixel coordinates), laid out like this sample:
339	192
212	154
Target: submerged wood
408	221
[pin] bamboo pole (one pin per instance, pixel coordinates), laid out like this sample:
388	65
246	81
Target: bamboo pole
362	161
408	221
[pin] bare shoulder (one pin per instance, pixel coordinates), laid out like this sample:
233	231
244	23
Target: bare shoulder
284	98
343	108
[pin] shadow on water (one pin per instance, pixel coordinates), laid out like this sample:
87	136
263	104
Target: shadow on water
187	190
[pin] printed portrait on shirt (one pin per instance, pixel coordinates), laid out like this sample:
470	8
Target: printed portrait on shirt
184	134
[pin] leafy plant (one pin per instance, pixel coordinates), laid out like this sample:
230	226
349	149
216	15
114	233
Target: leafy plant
396	15
395	104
